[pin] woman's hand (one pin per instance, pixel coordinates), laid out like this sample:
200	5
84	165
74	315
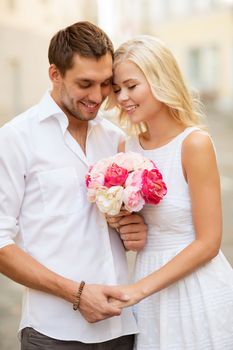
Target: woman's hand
133	292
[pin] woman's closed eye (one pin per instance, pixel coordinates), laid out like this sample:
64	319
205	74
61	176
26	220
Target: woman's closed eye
116	90
132	86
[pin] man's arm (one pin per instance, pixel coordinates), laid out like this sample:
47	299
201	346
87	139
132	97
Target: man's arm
22	268
17	264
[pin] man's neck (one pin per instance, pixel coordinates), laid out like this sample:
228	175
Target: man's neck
78	130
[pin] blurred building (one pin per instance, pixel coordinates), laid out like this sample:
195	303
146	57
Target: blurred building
26	27
199	32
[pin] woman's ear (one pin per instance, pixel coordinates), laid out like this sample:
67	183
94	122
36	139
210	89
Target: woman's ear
54	74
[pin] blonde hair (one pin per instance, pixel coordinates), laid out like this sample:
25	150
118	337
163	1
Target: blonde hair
164	77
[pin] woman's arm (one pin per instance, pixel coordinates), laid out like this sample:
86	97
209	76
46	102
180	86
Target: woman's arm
201	173
121	146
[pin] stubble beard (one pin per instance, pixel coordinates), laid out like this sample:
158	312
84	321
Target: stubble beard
73	112
68	106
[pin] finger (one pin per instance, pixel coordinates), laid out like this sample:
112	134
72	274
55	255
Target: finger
114	309
113	224
112	219
132	237
110	311
133	228
135	246
121	214
131	219
125	212
119	304
116	293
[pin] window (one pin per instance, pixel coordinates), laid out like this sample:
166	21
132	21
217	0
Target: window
203	71
194	67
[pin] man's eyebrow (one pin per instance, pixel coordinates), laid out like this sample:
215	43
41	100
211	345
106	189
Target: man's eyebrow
84	80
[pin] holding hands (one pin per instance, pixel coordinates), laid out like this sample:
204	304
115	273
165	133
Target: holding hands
99	302
95	302
133	292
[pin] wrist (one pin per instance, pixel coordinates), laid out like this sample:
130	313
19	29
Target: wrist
141	290
67	289
78	296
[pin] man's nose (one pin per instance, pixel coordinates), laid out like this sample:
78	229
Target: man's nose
96	94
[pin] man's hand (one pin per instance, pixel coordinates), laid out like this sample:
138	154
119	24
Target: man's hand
133	232
94	302
132	229
113	221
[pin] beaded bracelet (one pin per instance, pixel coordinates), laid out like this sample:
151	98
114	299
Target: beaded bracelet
77	301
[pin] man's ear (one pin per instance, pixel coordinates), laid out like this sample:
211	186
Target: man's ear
54	74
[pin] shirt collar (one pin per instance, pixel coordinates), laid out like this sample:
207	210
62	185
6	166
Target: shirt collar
49	108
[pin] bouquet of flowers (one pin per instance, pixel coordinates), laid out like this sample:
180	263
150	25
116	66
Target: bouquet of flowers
124	181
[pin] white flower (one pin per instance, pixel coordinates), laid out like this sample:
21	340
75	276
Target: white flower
109	200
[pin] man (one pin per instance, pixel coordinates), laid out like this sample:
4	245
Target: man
61	238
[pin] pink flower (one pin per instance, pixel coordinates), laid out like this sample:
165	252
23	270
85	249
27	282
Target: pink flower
99	169
133	161
126	180
133	200
94	181
153	187
135	179
115	176
88	177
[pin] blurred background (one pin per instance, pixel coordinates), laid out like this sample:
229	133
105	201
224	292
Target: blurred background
200	34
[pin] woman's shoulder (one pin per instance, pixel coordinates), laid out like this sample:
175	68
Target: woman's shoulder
198	151
197	140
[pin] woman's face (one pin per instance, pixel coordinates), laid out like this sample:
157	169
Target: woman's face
133	93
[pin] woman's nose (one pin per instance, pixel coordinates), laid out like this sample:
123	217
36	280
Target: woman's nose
122	96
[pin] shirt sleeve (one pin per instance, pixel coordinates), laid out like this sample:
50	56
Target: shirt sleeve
12	183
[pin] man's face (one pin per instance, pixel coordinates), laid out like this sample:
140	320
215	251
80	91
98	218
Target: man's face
83	88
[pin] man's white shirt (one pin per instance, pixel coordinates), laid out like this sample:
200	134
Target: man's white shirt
44	209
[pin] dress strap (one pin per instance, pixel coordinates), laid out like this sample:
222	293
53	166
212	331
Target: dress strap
187	132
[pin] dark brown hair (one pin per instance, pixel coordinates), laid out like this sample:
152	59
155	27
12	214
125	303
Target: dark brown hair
82	38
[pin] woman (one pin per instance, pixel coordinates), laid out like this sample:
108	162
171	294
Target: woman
183	284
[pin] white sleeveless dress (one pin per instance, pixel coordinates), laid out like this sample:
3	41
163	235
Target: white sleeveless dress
195	313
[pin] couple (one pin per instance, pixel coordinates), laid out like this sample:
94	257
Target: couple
52	239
